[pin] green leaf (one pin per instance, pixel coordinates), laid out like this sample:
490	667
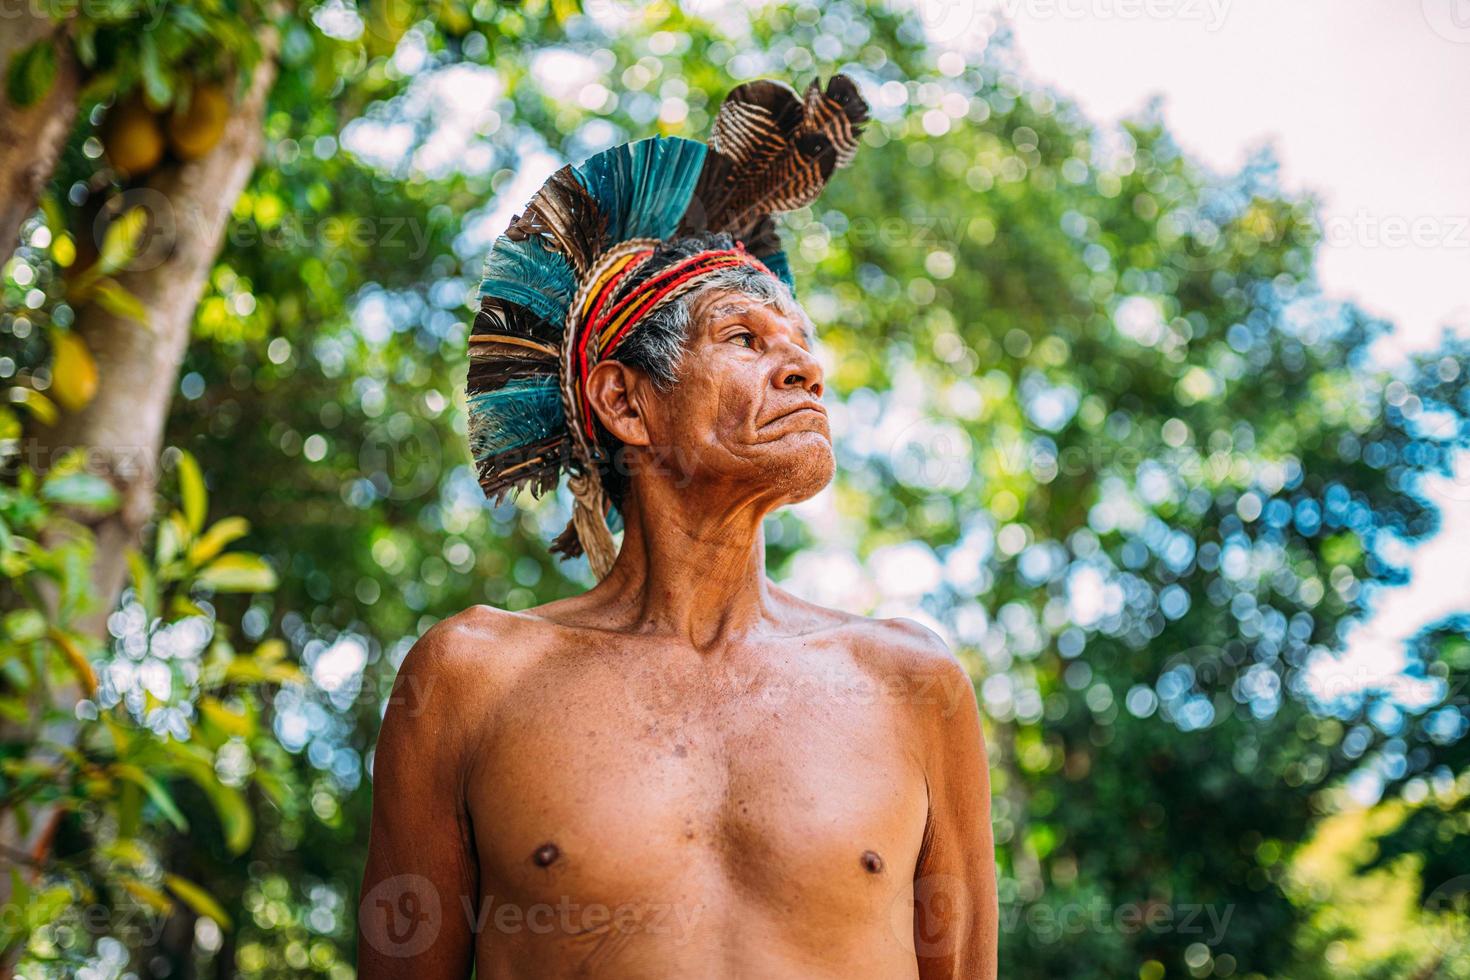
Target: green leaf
143	583
230	722
43	408
49	904
16	710
80	490
181	606
85	40
24	625
155	791
116	300
31	73
148	895
247	671
14	928
197	899
214	540
127	851
237	572
156	84
76	659
191	488
55	219
234	814
271	651
170	535
120	241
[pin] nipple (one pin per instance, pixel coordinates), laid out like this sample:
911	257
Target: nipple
546	854
872	863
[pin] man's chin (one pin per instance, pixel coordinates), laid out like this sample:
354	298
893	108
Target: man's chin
804	466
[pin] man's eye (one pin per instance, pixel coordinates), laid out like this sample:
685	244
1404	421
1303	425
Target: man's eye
746	333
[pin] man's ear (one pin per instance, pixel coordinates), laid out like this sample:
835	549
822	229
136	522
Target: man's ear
615	391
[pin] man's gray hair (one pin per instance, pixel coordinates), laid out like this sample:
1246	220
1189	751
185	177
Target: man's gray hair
657	345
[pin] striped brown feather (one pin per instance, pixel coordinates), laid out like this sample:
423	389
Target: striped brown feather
565	213
775	152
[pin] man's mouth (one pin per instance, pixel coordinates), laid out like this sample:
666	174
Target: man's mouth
800	408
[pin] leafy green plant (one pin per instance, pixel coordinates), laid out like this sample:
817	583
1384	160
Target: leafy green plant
100	737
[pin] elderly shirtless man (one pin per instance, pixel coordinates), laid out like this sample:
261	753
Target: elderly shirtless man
686	771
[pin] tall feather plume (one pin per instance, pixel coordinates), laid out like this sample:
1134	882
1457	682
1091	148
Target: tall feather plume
527	273
567	216
644	187
772	151
517	435
520	412
517	430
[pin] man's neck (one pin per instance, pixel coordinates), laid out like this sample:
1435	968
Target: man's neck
687	572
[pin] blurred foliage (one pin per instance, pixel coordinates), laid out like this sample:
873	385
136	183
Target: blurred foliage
126	751
1096	422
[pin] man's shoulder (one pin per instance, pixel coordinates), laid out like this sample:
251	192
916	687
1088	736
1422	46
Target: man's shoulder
905	647
896	646
914	665
474	653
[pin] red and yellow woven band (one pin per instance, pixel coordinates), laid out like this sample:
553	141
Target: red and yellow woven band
611	322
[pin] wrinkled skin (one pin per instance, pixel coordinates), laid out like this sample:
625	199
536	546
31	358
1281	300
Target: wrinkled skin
686	771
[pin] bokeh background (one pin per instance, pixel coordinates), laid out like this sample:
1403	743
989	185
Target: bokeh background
1128	426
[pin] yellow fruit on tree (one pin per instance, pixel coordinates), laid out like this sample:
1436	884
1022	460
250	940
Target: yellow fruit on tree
131	138
194	132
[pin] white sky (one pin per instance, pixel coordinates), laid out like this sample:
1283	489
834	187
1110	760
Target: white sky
1364	102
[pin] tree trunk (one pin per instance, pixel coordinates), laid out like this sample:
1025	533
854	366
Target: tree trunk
31	138
188	207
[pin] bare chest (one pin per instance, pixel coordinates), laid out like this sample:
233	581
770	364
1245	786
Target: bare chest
787	784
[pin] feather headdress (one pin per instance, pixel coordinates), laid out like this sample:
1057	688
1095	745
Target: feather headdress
553	302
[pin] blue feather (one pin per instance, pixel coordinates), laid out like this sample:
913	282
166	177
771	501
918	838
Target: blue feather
529	274
522	412
778	264
643	187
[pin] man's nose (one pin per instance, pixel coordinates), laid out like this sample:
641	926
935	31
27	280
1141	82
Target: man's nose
799	367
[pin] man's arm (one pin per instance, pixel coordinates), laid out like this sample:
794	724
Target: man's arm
956	919
420	889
